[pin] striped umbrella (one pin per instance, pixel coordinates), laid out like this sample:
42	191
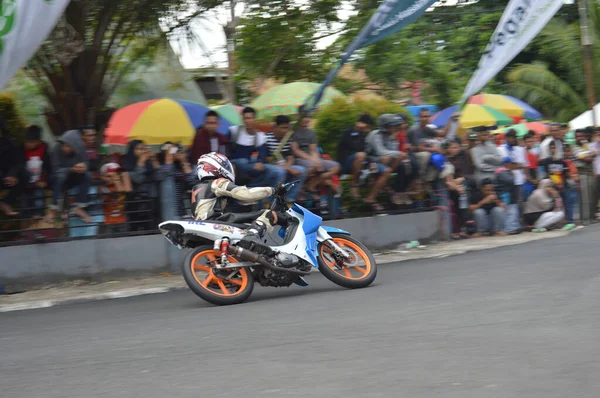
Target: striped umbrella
506	104
523	128
158	121
473	116
287	98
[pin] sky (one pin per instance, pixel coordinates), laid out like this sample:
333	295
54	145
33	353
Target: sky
213	39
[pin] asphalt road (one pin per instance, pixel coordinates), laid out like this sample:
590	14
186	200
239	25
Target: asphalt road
521	321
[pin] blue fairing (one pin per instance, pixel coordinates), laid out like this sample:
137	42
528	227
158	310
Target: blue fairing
311	225
334	230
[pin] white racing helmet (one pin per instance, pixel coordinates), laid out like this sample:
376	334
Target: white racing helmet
215	165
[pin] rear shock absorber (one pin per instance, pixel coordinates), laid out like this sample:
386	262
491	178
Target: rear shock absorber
224	249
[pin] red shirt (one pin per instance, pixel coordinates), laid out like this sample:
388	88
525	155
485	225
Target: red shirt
401	137
532	160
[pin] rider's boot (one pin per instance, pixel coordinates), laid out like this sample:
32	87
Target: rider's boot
253	240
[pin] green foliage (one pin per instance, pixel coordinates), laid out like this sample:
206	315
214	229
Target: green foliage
343	112
278	38
28	98
15	124
96	46
555	81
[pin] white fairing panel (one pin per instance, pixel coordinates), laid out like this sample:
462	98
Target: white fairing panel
209	230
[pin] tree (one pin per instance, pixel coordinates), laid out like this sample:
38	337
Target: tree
278	38
95	45
555	83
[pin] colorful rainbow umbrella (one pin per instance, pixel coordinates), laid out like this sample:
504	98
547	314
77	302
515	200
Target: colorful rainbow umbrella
472	116
231	113
158	121
523	128
287	98
506	104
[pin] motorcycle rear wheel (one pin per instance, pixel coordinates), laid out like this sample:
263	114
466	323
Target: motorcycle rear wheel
357	272
233	287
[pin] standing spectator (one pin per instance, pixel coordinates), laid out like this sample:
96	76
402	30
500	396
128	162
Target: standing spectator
515	160
486	157
488	210
457	186
531	173
351	151
554	167
38	170
145	172
117	185
250	153
585	156
10	170
207	138
571	188
306	150
596	148
544	208
88	134
70	170
280	153
382	149
416	135
178	176
556	136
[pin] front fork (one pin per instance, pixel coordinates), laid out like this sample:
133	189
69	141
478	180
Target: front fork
338	253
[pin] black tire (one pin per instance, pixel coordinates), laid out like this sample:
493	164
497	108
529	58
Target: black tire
341	280
206	294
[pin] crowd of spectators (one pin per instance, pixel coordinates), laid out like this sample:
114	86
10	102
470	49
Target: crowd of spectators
530	183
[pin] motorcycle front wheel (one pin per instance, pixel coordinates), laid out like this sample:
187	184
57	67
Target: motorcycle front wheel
219	287
356	272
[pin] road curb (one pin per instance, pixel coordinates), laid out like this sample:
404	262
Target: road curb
385	258
125	293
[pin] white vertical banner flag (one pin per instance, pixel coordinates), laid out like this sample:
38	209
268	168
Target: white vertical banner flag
24	25
521	22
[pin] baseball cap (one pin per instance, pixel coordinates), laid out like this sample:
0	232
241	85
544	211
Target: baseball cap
110	168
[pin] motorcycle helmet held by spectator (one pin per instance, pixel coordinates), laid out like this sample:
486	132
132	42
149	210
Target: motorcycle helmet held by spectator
214	165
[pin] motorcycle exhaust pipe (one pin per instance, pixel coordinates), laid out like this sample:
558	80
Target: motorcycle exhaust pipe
248	255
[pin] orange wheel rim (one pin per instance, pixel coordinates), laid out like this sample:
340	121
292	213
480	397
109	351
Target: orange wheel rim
357	267
227	287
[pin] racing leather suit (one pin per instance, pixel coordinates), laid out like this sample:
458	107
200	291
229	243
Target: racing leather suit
209	199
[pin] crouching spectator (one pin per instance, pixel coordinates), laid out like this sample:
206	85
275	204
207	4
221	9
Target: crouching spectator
114	193
353	155
70	170
178	177
488	210
279	151
544	207
305	148
36	157
382	148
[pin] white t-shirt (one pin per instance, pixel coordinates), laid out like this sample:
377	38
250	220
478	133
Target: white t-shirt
245	139
517	155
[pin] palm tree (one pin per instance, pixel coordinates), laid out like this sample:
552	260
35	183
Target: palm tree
558	88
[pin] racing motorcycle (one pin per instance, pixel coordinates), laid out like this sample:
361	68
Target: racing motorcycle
222	273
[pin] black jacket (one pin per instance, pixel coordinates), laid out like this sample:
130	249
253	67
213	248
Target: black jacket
10	162
351	142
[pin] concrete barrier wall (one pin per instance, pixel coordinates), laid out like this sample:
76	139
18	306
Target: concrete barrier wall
100	258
